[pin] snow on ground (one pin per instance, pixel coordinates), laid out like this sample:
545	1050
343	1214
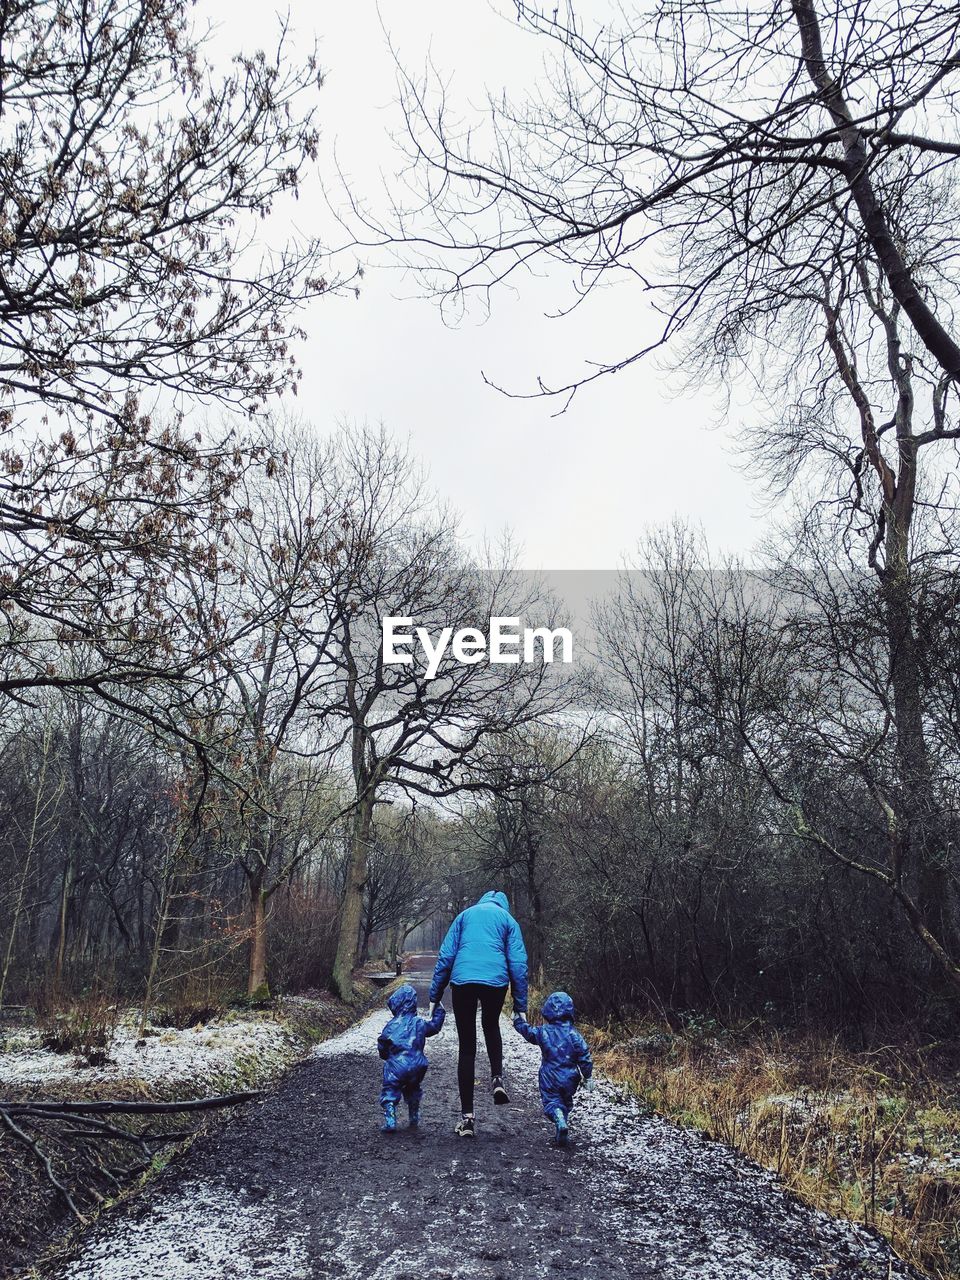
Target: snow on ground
705	1212
197	1056
362	1037
303	1185
199	1233
686	1227
632	1145
356	1039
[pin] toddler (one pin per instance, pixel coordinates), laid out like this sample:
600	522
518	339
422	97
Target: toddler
405	1064
566	1059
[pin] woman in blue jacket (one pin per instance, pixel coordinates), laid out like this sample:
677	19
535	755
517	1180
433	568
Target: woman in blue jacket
481	955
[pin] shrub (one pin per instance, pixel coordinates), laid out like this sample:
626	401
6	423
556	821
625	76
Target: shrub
84	1026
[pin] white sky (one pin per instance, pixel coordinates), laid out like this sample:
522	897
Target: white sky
577	491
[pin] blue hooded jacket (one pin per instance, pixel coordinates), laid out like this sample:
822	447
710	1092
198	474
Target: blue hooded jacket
484	944
566	1057
401	1043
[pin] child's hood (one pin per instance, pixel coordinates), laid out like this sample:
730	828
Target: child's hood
403	1000
558	1007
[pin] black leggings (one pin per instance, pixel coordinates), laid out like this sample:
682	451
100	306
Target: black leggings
466	997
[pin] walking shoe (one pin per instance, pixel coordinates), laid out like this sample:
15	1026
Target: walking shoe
389	1118
499	1092
563	1132
413	1109
465	1128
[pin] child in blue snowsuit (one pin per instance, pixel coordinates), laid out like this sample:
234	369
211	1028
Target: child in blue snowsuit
405	1064
566	1059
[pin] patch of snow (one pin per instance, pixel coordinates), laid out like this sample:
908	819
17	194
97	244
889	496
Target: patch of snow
946	1162
200	1231
198	1056
360	1038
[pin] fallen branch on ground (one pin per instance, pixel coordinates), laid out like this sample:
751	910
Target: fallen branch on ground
86	1131
130	1108
25	1140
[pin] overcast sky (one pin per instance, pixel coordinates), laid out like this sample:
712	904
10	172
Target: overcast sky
576	490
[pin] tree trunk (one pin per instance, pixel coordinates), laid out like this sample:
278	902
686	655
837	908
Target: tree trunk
352	908
922	829
537	931
917	846
921	826
401	933
365	935
257	975
62	919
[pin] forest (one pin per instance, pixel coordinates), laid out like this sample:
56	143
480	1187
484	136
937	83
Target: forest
699	818
741	805
209	779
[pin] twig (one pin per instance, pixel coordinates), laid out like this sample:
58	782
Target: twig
44	1159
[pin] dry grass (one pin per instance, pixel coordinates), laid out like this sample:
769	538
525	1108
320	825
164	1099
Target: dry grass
874	1137
84	1025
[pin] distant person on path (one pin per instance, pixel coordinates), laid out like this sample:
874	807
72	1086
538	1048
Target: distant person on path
405	1064
566	1059
482	953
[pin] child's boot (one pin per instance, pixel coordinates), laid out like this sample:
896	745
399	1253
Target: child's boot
389	1118
563	1132
413	1109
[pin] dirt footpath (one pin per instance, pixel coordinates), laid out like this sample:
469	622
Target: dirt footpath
305	1185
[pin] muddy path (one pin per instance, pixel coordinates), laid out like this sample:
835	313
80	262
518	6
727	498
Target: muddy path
305	1185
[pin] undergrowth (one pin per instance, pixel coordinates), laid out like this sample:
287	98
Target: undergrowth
34	1223
871	1136
84	1025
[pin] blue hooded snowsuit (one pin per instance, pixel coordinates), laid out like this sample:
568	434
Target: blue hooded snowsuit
566	1057
484	944
401	1046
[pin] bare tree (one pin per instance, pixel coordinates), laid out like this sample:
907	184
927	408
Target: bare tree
781	188
134	176
886	484
406	732
37	820
706	156
405	877
833	751
509	835
278	674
